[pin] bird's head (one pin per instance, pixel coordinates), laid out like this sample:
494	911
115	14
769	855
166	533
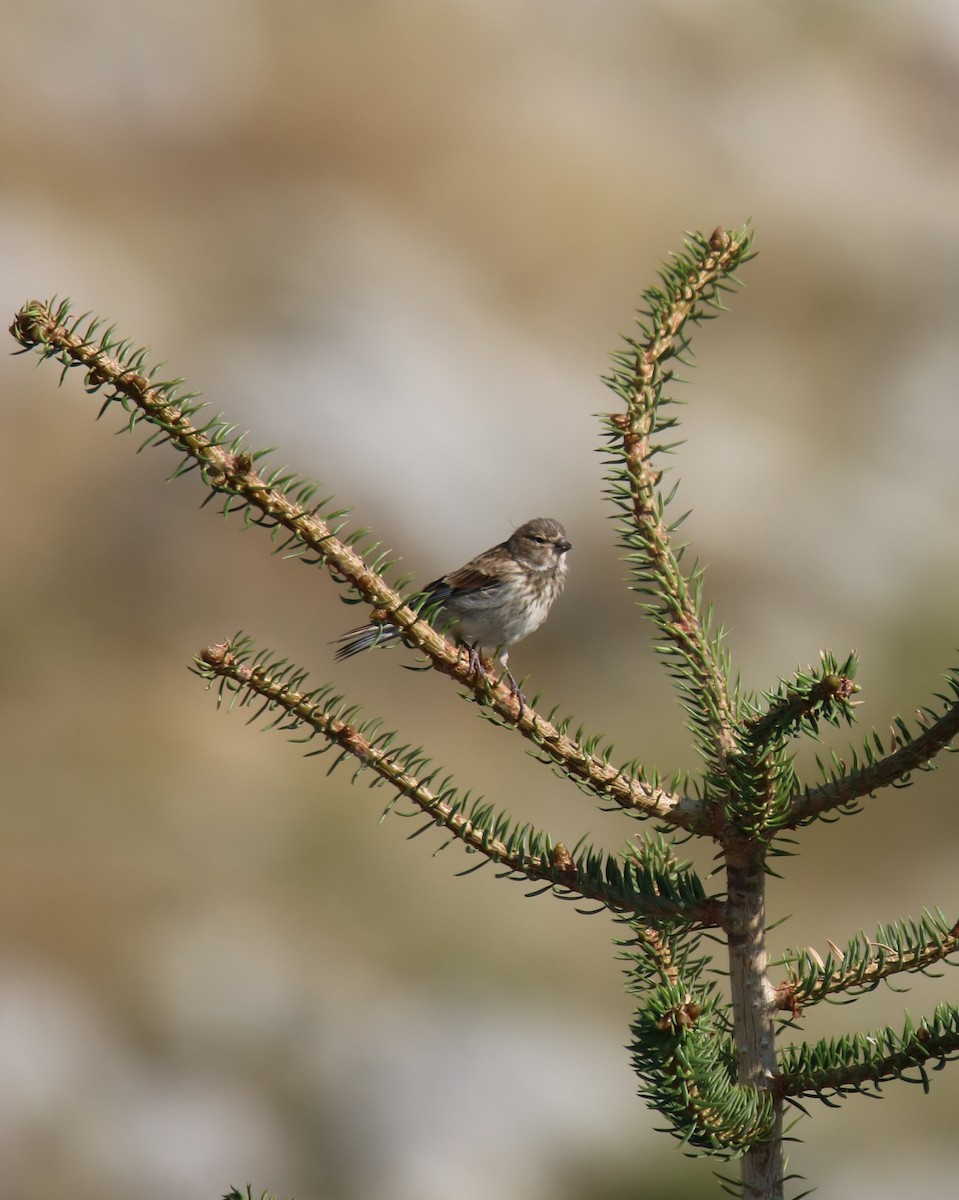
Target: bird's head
540	544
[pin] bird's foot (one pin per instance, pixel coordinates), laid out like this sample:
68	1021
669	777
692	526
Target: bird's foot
516	694
486	667
475	665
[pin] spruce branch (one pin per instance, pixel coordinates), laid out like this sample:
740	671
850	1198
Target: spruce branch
656	886
685	1059
883	764
691	285
761	774
857	1062
687	1073
905	946
798	705
681	1048
284	504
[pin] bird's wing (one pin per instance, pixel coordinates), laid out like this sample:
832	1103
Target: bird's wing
471	578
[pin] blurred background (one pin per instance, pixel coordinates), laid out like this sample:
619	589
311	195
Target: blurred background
397	239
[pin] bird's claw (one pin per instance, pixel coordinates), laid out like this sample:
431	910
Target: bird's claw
477	668
517	695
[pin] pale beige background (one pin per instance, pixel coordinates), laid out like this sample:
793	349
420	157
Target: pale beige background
397	240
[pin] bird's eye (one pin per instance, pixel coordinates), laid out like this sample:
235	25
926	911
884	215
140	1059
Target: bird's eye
542	541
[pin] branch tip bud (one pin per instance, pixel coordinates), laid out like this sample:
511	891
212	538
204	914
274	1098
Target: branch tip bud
217	655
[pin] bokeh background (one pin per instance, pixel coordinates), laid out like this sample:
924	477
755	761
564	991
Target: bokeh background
397	239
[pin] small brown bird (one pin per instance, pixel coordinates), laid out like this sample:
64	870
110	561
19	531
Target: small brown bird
492	602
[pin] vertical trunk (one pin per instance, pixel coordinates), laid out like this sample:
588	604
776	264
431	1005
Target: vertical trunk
753	1007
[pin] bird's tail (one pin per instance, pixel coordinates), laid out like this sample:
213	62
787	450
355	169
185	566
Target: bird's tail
355	641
